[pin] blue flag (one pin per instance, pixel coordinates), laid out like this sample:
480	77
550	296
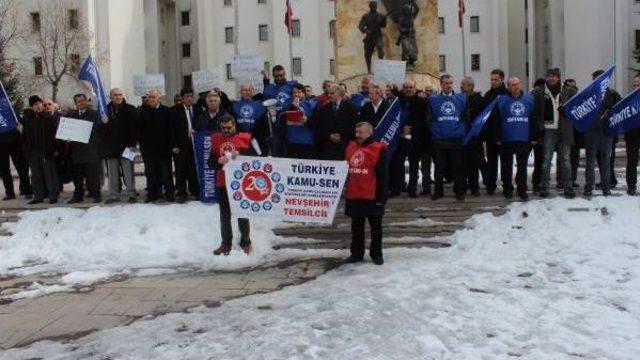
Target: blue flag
625	115
584	107
8	118
206	174
390	127
89	73
480	121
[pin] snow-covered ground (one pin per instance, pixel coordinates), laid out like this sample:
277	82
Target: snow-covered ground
138	240
544	281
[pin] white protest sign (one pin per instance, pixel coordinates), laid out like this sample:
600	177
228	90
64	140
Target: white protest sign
142	84
74	130
285	189
248	69
206	80
389	71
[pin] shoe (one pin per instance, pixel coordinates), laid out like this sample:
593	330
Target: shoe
247	248
35	202
97	200
575	185
394	194
169	198
222	250
181	199
491	192
378	260
150	199
352	260
413	195
132	200
476	193
544	194
559	186
523	195
460	197
536	188
75	200
426	192
53	201
507	194
9	197
569	194
632	192
437	196
598	186
112	201
587	193
606	192
28	196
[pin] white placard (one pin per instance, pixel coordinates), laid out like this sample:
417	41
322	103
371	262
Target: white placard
389	72
142	84
74	130
206	80
248	69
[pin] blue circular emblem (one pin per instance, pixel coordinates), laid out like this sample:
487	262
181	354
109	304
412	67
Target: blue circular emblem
276	177
279	188
267	206
255	207
237	174
517	108
256	164
235	185
448	108
245	204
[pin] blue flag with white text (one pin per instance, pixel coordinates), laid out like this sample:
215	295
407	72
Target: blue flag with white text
390	127
89	73
480	121
8	118
625	115
584	107
206	174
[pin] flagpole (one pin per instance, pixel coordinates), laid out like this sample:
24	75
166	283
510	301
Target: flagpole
291	54
464	48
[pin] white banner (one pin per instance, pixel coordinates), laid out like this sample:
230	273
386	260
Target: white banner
74	130
389	72
248	69
207	80
285	189
142	84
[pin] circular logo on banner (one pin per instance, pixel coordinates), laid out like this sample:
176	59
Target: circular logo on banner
448	108
257	187
357	159
246	111
517	108
227	147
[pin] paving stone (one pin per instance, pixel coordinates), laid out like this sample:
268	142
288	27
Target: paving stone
210	294
14	306
46	304
165	294
78	323
142	308
16	328
114	305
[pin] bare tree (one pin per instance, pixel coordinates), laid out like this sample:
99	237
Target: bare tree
9	33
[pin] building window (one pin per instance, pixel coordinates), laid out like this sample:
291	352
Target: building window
297	66
37	66
75	62
267	66
229	72
332	29
440	25
187	82
475	62
295	28
228	35
474	26
332	67
73	19
185	18
263	32
637	39
442	61
262	1
186	50
546	33
228	3
35	22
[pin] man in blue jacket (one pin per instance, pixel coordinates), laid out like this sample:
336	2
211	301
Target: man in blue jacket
281	90
448	120
515	133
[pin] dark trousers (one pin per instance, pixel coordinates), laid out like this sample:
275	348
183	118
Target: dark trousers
454	159
419	161
473	154
90	173
632	164
598	151
44	177
538	160
521	152
13	152
158	173
490	173
300	151
357	236
226	231
575	161
186	172
369	47
397	172
612	163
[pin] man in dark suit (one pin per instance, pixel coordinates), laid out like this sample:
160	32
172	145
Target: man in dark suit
212	114
334	125
374	110
85	157
414	144
156	144
184	115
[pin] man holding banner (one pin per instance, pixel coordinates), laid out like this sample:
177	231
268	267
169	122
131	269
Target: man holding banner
367	191
251	116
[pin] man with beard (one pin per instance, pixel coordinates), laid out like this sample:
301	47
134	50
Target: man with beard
281	90
490	168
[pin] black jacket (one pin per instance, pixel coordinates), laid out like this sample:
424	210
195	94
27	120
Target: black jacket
494	118
40	133
154	132
180	127
120	132
87	153
367	113
327	121
476	104
366	208
205	122
417	109
611	97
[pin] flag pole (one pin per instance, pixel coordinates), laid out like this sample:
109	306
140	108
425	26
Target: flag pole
291	54
464	48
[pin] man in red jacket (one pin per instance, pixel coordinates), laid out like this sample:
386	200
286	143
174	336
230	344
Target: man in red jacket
367	192
226	145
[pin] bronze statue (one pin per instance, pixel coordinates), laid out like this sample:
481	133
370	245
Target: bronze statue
403	13
371	24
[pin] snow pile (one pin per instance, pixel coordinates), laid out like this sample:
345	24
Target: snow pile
88	246
551	279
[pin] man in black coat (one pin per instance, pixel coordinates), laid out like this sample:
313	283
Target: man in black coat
119	133
473	152
373	111
208	120
414	144
42	148
334	125
184	158
11	148
490	167
156	144
85	157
